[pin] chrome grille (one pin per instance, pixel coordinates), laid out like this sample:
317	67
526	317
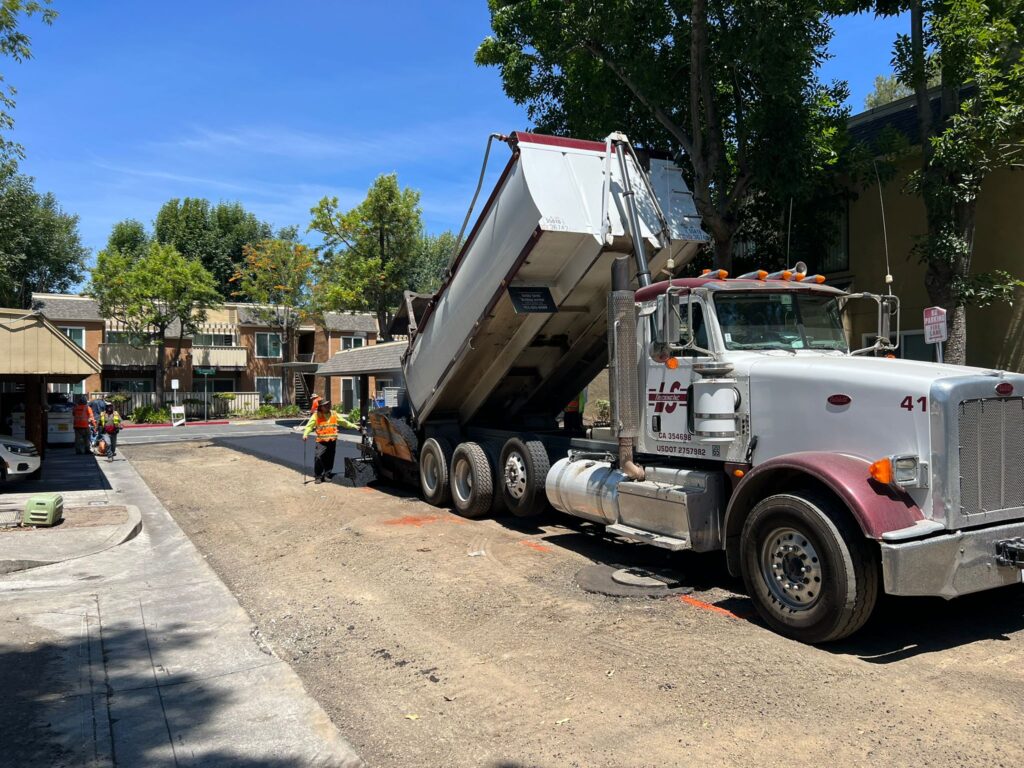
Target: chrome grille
991	455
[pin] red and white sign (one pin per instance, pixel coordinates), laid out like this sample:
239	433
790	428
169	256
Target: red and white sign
935	325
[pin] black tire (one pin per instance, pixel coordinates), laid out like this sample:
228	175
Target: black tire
435	460
808	568
471	480
522	473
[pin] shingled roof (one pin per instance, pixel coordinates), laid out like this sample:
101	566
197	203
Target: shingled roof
350	321
61	308
371	360
66	308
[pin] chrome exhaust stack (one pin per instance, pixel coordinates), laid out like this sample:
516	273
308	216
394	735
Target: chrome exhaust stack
622	355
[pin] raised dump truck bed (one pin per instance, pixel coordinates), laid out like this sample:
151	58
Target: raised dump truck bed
519	326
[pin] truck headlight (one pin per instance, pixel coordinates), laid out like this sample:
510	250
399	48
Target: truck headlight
903	471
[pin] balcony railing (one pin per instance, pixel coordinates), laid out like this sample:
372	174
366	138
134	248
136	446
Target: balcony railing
220	357
127	356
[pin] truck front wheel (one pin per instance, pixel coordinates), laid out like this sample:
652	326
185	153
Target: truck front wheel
472	480
523	471
435	459
809	570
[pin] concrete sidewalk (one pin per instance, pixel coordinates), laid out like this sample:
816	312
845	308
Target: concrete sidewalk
140	656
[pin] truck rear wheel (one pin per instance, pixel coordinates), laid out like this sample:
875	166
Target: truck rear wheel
522	473
472	480
435	460
809	570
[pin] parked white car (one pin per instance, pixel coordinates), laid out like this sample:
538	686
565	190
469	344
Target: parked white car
18	458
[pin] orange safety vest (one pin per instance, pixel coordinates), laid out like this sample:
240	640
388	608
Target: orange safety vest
82	415
326	429
315	404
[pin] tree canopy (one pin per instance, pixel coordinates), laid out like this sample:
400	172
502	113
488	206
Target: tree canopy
214	234
148	293
40	247
730	84
370	252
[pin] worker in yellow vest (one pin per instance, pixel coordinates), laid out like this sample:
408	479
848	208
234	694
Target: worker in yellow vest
326	424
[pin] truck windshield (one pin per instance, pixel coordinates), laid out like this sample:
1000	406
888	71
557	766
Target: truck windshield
783	320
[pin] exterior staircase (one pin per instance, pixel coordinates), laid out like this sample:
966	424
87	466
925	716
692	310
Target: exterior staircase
301	391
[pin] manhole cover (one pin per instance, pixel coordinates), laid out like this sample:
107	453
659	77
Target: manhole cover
633	577
627	582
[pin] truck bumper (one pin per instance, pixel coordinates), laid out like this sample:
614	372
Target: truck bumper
950	565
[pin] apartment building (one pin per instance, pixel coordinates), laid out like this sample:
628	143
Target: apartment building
871	246
237	349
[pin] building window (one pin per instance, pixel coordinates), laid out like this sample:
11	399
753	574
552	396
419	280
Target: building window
129	385
351	342
837	258
912	346
77	335
268	345
269	385
214	340
207	384
69	389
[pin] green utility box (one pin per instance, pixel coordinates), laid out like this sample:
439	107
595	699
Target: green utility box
44	510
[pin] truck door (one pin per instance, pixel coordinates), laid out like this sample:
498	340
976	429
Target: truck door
667	407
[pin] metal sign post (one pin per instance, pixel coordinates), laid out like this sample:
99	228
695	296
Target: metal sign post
935	331
206	373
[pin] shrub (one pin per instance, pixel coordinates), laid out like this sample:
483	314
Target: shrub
147	414
602	412
226	396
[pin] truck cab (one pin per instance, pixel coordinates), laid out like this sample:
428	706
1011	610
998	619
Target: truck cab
826	474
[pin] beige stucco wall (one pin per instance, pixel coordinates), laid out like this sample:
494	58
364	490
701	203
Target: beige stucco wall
995	335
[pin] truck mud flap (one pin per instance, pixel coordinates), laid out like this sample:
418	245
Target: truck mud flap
360	471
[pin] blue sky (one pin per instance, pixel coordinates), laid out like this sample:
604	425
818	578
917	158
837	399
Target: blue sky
127	104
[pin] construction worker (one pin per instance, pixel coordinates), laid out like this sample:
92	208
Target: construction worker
314	403
574	413
325	423
83	421
110	425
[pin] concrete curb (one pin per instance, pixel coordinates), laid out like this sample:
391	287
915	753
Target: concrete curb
125	532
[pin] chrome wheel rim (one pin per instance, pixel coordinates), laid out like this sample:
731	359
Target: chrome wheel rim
462	481
791	568
515	475
430	472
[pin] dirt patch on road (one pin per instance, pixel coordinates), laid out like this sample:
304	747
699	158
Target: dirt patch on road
436	641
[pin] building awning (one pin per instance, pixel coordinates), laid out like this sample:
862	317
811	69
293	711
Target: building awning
372	360
30	346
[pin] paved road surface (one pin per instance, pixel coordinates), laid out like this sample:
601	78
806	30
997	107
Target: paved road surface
280	443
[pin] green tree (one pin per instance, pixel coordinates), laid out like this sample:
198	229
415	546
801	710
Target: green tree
887	89
17	45
730	83
215	235
277	276
40	247
129	236
153	292
967	127
434	254
370	251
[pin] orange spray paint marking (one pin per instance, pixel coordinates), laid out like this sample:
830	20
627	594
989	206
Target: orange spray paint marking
535	545
415	520
708	606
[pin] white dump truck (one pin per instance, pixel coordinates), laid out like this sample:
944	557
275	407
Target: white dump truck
741	419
